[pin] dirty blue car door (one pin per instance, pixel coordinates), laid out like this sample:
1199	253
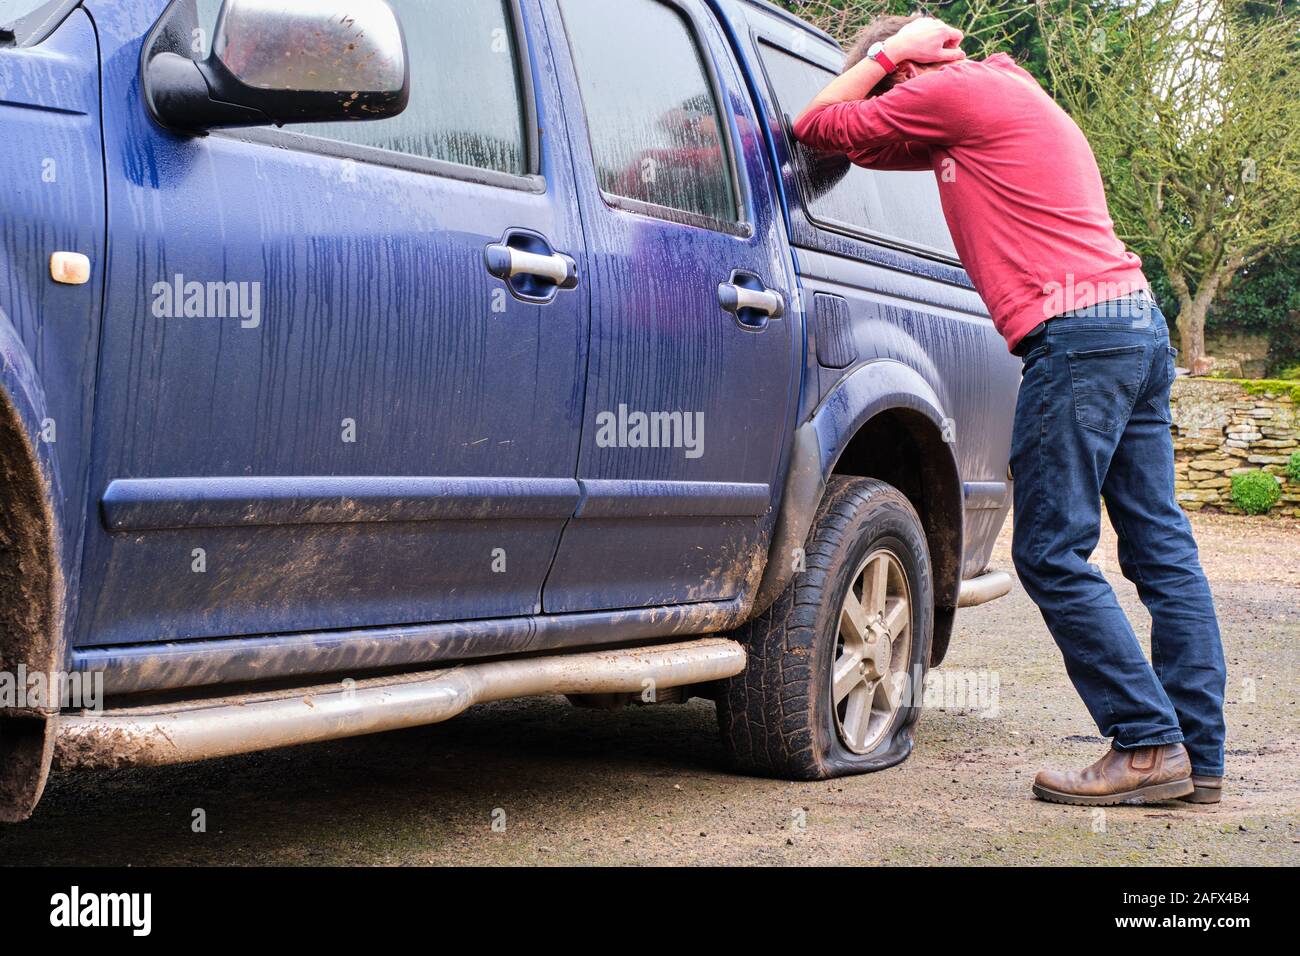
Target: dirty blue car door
695	347
320	408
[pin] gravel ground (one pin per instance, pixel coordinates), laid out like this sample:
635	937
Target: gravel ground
648	786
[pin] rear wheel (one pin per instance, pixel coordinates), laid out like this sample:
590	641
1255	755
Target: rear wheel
836	665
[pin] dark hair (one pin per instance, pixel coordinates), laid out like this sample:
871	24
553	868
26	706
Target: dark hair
878	30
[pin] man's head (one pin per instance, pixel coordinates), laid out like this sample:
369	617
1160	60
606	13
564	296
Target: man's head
878	31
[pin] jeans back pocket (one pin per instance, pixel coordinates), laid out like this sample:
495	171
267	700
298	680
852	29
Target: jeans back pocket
1160	389
1106	383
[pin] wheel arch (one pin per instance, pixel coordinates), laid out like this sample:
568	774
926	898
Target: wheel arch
883	421
31	578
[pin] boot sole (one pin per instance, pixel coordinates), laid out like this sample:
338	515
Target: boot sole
1150	794
1204	795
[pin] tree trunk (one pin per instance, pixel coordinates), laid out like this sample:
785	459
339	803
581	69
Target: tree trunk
1191	328
1192	314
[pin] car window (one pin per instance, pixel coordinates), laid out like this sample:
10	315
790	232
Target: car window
898	205
466	102
29	21
657	134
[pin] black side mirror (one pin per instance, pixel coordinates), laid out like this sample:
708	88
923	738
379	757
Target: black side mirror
286	61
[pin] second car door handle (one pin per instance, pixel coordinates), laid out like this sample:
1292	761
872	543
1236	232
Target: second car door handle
736	297
750	301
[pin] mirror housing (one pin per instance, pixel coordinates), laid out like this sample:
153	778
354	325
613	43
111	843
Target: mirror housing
286	61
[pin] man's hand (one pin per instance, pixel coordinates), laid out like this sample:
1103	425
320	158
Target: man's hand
925	41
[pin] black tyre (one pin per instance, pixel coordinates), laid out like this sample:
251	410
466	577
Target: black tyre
836	666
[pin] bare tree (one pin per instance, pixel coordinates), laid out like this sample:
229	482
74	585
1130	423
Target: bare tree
1193	110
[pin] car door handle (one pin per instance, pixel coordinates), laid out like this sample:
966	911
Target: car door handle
750	301
507	263
737	297
526	262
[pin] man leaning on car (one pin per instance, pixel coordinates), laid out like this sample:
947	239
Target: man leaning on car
1025	203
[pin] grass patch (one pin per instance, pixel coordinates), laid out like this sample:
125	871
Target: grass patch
1261	386
1270	386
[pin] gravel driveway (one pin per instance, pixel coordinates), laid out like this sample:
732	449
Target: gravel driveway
538	781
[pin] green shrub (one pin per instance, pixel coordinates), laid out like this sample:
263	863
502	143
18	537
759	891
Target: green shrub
1255	492
1293	466
1291	373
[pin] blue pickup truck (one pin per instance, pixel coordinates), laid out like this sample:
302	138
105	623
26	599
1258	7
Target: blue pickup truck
364	361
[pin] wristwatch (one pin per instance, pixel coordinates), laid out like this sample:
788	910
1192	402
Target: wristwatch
877	52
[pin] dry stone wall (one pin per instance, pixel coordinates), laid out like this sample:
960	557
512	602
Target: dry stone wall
1223	428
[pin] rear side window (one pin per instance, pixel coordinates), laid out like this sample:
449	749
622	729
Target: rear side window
657	134
896	205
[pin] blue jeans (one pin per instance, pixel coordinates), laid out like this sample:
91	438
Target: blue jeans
1093	422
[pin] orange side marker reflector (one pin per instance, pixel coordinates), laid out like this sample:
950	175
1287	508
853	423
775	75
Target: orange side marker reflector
70	268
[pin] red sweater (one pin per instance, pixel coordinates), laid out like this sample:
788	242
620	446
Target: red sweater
1020	187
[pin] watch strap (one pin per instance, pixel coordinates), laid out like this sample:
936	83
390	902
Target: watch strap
877	53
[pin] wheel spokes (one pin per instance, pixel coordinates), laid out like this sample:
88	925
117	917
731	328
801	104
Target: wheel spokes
869	677
890	691
875	585
855	622
857	716
897	616
848	674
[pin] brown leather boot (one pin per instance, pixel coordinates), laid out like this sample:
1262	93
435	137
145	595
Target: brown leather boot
1208	790
1141	775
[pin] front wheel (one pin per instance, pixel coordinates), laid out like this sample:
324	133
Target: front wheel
836	666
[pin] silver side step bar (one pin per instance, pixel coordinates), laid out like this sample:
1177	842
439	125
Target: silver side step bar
204	729
987	587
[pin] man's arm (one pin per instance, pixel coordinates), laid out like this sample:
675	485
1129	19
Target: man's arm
922	41
931	110
907	156
841	118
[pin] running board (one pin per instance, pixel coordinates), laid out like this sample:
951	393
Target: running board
987	587
205	729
